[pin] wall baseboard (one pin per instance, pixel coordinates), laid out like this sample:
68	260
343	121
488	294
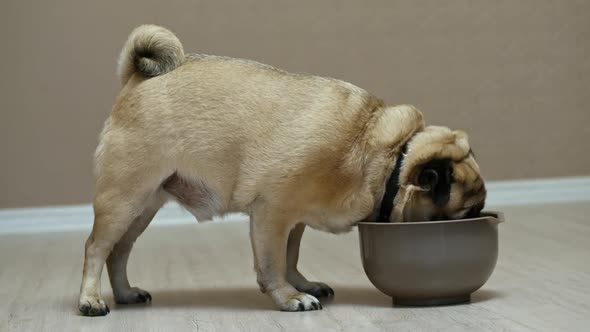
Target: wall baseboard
79	217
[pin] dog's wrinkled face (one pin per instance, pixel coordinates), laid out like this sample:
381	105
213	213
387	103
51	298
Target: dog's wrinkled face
442	166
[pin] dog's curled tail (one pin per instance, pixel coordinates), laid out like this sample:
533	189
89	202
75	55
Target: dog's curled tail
151	51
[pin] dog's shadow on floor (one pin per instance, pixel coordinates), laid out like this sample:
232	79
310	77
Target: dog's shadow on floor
252	299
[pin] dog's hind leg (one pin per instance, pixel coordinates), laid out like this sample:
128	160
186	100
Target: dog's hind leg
295	278
119	256
121	197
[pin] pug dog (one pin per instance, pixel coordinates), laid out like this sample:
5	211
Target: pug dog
222	135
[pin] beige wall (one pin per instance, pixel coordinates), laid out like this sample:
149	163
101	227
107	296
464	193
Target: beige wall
514	74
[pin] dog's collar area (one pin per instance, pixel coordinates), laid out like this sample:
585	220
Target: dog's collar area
391	188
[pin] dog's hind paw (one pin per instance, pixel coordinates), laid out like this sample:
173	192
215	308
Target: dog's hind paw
132	296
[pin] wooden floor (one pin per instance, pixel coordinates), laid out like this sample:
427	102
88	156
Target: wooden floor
201	279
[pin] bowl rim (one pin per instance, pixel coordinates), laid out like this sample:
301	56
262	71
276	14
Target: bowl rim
494	216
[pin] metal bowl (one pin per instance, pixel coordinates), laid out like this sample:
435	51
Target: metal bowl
432	262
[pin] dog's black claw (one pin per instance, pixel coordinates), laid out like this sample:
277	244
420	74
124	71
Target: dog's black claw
315	306
107	308
330	292
84	309
321	306
99	312
301	307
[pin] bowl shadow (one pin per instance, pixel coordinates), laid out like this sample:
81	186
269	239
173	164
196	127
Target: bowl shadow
484	295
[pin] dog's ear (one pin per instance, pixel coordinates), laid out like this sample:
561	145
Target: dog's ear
436	176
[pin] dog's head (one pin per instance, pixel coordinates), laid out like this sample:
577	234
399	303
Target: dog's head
439	177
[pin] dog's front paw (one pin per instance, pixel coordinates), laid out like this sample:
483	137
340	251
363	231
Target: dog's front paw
317	289
295	301
132	296
93	306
